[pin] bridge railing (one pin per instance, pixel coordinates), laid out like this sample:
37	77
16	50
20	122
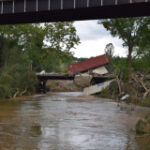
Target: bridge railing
22	6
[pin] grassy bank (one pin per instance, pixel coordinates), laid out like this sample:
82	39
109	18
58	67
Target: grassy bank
112	92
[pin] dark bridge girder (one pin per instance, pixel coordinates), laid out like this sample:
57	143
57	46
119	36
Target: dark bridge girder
32	11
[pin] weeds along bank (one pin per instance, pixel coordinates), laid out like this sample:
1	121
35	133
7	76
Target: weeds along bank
17	81
138	89
26	47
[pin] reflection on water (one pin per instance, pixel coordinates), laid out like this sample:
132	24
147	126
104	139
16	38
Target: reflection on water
67	121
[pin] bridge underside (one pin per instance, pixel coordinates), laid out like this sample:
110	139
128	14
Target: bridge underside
62	76
53	77
43	78
32	11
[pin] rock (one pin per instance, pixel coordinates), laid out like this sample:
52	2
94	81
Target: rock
83	80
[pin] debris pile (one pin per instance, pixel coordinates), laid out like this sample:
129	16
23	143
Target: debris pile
97	87
92	74
83	80
137	87
141	83
95	75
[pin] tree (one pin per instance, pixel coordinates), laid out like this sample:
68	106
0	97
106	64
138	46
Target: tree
133	32
47	46
38	41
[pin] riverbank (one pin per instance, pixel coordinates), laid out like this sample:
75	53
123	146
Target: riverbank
62	86
112	92
33	97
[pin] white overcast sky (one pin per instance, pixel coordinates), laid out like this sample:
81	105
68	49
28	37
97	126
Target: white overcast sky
94	38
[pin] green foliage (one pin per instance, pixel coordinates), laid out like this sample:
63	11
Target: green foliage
141	64
144	102
120	64
134	32
105	93
130	30
56	61
5	91
111	91
61	35
29	48
141	127
16	79
37	43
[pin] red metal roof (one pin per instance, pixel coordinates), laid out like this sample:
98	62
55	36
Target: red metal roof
89	64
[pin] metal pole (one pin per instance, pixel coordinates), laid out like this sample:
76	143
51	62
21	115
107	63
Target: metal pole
37	5
116	2
74	3
87	3
25	5
49	4
61	4
13	7
101	2
2	8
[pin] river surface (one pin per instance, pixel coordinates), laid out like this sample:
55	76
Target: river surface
67	121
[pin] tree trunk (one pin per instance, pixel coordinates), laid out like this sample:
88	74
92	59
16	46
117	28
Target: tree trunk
129	62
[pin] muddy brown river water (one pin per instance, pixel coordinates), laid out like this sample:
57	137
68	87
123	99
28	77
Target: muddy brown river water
67	121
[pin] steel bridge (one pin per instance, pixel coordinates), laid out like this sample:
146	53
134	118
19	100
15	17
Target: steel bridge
32	11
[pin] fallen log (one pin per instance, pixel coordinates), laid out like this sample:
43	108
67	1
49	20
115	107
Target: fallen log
16	93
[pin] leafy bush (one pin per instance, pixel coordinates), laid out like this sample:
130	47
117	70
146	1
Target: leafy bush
111	91
16	80
5	91
144	102
141	127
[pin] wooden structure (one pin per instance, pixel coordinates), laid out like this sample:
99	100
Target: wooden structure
31	11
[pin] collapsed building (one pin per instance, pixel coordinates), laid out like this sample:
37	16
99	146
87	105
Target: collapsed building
92	74
92	65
